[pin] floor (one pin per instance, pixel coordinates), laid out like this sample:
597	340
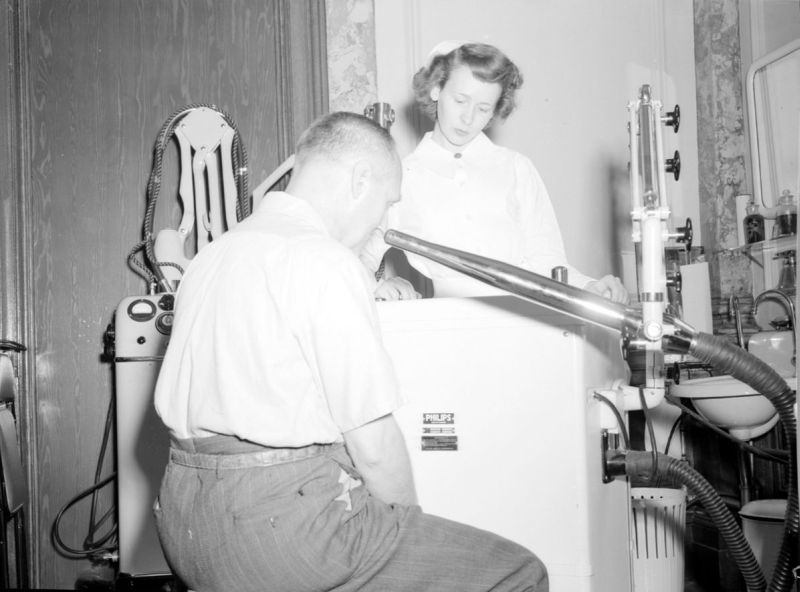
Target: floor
160	585
690	586
102	578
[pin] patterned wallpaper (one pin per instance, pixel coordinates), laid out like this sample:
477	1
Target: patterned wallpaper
722	151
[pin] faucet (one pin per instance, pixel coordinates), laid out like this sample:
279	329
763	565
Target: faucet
787	301
735	315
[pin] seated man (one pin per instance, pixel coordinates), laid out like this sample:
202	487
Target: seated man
287	470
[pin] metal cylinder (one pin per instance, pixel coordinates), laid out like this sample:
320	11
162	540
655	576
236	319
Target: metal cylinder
521	282
560	274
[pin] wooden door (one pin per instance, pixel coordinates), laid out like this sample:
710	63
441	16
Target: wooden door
91	85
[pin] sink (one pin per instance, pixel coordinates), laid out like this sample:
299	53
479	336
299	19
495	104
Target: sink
731	404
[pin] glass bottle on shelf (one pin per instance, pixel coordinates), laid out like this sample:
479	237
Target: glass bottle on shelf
753	224
785	215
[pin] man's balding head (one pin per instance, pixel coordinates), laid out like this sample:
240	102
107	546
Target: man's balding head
347	168
344	137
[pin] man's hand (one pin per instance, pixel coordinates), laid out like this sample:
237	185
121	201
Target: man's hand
609	287
395	288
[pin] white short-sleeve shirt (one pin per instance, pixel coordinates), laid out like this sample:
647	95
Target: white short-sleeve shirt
275	338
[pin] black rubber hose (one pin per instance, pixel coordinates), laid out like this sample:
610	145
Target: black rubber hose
732	360
154	188
639	465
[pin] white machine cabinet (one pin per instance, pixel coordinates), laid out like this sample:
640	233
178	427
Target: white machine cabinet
501	426
504	433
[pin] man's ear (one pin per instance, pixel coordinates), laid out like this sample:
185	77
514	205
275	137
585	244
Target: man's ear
361	179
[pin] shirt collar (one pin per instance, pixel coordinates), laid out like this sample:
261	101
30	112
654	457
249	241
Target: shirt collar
280	203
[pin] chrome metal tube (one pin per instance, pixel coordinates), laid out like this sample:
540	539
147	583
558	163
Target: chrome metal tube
521	282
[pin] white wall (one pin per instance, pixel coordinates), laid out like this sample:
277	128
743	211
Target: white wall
583	61
767	26
772	23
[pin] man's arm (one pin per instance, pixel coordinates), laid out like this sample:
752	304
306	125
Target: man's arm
379	453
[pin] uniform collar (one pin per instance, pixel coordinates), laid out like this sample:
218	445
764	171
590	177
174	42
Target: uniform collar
443	162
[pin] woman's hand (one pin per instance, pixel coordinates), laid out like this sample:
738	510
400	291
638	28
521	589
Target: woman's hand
609	287
395	288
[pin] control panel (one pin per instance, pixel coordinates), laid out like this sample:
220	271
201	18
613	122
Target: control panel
142	326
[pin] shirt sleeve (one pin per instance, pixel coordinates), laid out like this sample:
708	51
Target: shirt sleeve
543	244
344	345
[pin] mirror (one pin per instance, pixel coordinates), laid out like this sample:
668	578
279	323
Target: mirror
773	105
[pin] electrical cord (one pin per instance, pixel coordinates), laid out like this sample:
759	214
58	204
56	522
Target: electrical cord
675	425
621	422
759	452
88	542
141	269
138	267
649	422
61	546
171	264
91	545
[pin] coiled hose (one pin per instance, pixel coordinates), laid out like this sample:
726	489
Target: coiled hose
238	157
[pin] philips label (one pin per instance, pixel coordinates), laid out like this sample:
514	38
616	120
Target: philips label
438	418
439	432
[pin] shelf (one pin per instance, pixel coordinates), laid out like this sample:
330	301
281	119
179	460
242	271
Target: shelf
782	243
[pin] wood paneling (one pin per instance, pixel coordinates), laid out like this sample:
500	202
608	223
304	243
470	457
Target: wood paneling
104	75
15	240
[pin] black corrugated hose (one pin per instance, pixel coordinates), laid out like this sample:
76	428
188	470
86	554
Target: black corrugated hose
732	360
644	465
639	465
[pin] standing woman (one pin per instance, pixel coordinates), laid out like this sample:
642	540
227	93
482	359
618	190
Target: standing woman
463	191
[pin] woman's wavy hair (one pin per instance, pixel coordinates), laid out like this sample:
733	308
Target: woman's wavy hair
487	63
